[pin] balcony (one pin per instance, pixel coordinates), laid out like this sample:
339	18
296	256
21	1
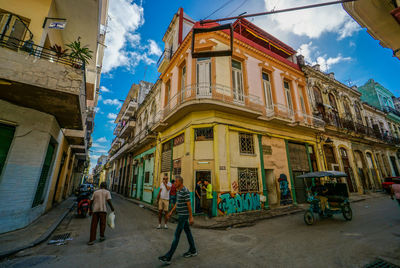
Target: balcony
126	130
117	129
204	97
164	59
130	109
34	77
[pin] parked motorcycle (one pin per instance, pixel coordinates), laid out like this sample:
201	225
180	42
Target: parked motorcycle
83	201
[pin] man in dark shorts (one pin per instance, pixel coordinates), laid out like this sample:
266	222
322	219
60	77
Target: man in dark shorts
185	219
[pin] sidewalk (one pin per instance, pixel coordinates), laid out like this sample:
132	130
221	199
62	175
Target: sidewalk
251	217
36	232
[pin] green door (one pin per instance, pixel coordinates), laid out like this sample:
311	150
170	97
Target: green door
6	137
44	175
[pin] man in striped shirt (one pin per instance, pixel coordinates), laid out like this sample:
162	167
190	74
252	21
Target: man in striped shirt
185	219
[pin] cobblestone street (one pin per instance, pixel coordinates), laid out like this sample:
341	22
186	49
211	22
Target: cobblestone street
278	242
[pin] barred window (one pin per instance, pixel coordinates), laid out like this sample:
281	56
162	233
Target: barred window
202	134
177	167
246	143
147	177
248	179
179	139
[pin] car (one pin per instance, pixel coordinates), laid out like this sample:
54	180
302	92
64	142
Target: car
388	181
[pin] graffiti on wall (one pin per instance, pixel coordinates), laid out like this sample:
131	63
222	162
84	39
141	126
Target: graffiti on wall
229	203
286	196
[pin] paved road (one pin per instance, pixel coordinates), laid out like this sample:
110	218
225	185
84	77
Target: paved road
279	242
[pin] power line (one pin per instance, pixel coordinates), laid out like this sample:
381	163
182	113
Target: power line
244	1
218	9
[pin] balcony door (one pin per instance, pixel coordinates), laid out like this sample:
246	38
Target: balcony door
237	81
203	75
267	92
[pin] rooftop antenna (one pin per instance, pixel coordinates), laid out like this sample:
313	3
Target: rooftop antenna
349	82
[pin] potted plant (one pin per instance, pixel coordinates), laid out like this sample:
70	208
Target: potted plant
79	53
60	53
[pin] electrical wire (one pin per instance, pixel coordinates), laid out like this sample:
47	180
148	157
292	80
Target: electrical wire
244	1
218	9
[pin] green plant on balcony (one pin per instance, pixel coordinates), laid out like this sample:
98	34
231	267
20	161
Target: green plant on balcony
79	53
60	53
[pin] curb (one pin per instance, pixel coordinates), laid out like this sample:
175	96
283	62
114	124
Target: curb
41	238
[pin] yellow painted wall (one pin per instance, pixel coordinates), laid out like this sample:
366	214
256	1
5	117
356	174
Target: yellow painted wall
36	11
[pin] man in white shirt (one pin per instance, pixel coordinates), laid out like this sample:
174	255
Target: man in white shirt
163	201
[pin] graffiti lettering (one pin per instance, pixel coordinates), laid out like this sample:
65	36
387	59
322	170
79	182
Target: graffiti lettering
229	203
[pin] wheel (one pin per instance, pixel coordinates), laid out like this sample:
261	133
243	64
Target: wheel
309	217
347	212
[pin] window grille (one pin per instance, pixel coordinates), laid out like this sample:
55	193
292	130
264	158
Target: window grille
248	179
147	177
246	143
202	134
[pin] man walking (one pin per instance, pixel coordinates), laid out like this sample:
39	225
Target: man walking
98	211
209	196
163	201
185	219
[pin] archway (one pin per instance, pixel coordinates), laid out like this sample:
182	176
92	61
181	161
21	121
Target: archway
372	171
360	163
348	170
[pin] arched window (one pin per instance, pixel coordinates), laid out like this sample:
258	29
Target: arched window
317	96
346	107
334	115
332	102
357	111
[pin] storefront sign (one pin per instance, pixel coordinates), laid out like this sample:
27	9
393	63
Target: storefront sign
267	149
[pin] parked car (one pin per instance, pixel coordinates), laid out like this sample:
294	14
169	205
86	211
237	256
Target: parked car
388	181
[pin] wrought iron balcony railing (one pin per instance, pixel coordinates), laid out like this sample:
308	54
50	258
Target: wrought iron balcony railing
31	49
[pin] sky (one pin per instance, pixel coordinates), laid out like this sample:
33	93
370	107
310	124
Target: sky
326	35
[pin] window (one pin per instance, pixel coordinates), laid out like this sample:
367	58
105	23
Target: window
147	177
237	81
13	28
179	139
246	143
267	91
248	179
183	78
166	157
203	75
167	92
288	94
6	137
203	134
317	96
303	105
358	112
177	167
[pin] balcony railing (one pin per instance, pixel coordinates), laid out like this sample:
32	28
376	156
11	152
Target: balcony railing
31	49
167	54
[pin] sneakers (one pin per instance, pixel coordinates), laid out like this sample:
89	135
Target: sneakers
190	254
102	238
165	226
90	243
164	260
159	226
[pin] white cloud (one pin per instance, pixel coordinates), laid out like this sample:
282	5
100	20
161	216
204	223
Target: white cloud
308	22
154	49
113	102
111	122
125	17
102	139
111	116
97	145
104	89
312	56
99	98
101	151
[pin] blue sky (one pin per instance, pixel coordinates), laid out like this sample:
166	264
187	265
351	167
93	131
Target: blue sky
326	35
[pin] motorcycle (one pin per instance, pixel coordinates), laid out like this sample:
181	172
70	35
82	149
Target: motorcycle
83	204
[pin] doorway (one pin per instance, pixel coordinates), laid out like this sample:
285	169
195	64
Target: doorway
393	160
200	203
272	187
348	170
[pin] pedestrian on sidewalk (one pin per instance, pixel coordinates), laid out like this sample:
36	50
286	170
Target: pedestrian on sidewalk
395	191
209	196
98	211
198	196
172	194
185	219
163	201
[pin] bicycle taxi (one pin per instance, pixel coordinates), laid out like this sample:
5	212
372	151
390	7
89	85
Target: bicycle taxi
336	197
